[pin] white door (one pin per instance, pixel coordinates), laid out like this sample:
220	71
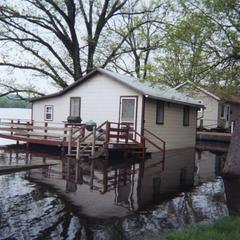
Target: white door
128	111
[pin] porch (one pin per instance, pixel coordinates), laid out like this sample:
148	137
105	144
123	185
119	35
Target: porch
81	143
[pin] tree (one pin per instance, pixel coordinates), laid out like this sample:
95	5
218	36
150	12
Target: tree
232	164
141	45
203	45
65	39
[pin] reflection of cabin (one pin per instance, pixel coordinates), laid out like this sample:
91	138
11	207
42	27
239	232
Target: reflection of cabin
220	110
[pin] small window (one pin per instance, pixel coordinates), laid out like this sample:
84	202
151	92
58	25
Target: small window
160	112
185	116
48	115
75	104
222	110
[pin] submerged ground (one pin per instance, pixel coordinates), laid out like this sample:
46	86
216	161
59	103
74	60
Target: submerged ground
113	200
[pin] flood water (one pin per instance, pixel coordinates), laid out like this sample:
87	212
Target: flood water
117	199
102	200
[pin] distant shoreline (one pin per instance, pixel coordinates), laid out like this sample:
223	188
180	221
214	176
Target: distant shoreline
15	107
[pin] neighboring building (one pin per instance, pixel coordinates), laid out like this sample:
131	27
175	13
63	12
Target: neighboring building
104	95
219	111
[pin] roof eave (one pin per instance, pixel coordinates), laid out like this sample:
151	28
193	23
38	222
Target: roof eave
177	102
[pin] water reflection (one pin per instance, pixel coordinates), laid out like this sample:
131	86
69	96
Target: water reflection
186	191
116	188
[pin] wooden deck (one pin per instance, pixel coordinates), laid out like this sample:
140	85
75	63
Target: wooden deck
214	136
80	142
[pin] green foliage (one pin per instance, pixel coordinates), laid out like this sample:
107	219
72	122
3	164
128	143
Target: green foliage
203	46
226	229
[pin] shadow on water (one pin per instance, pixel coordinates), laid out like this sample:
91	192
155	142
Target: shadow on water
101	200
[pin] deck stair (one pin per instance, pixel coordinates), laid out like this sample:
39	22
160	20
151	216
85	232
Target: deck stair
116	136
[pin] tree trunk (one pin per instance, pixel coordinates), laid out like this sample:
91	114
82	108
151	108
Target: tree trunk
232	164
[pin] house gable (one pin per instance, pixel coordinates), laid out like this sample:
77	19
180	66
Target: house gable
193	86
100	101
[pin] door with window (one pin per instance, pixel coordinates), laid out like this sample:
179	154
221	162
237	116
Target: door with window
128	112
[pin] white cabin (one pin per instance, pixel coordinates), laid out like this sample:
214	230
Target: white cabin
219	110
104	95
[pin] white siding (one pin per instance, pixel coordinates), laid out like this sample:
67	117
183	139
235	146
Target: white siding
211	111
100	98
172	131
210	116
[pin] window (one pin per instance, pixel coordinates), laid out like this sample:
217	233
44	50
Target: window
75	104
222	110
128	109
48	115
185	116
160	112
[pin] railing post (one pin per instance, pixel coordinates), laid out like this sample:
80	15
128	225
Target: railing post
107	132
11	127
65	132
127	134
78	149
107	140
28	129
45	129
118	129
93	142
70	140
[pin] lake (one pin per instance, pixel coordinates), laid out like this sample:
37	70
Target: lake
13	113
115	199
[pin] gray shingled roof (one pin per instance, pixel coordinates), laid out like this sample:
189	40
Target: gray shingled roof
160	92
157	91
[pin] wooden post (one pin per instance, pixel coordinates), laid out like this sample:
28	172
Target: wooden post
93	142
91	174
28	129
105	177
70	140
78	149
118	129
11	127
107	140
65	132
127	134
45	129
18	122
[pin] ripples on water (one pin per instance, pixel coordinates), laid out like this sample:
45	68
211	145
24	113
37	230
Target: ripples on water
30	212
127	199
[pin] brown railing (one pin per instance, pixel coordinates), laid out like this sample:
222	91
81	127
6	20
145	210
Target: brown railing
35	129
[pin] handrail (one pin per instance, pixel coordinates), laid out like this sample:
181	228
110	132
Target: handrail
154	135
92	133
151	142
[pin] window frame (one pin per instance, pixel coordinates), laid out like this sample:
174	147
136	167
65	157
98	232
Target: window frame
45	112
79	98
186	108
222	111
160	103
